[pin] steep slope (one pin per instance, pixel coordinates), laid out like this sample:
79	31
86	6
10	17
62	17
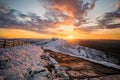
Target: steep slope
78	68
65	47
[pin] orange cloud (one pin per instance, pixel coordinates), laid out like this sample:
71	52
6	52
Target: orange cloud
20	33
100	34
73	9
117	4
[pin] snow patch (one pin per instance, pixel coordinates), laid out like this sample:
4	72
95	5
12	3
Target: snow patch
18	63
86	53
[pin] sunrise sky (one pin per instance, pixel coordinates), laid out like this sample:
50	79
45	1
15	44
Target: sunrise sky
67	19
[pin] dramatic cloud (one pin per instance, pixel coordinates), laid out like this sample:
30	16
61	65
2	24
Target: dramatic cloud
93	4
118	5
11	18
58	13
72	11
86	29
110	19
113	26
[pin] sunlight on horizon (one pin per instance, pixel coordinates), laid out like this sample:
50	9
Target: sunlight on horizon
70	37
20	33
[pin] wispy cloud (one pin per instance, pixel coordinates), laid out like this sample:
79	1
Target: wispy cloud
72	10
110	20
58	13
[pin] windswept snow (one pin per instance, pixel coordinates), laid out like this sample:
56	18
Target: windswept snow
86	53
18	62
32	62
28	62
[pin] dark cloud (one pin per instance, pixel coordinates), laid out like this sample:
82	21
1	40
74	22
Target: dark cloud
113	26
86	29
93	4
109	19
9	16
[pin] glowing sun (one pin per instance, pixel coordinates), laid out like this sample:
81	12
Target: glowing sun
70	37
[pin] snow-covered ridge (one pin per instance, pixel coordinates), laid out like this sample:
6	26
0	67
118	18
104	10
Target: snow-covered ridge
60	45
32	62
18	63
28	63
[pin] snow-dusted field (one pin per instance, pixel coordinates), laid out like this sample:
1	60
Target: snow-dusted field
60	45
27	63
32	62
16	63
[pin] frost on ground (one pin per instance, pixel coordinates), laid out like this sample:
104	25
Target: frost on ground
80	69
62	46
18	62
28	63
32	62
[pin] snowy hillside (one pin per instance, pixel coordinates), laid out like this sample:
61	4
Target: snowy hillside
32	62
18	62
60	45
27	63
